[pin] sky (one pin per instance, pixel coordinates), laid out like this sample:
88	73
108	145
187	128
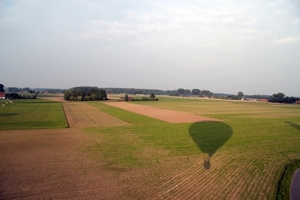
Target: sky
221	46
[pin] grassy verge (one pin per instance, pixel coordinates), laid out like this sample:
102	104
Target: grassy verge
31	114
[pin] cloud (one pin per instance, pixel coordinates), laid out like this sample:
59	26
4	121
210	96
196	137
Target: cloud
287	40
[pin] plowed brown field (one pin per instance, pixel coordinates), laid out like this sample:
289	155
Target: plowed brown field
170	116
52	164
84	115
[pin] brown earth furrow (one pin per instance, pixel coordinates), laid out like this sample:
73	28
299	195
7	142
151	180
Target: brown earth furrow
191	170
239	186
180	185
198	181
264	183
167	180
197	184
276	166
207	186
170	116
203	187
251	190
231	182
248	177
248	183
45	164
84	115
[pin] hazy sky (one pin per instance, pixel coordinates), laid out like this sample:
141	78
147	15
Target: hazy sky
222	46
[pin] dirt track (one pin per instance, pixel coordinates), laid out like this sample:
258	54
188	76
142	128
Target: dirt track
170	116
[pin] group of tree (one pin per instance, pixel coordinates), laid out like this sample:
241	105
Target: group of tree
151	98
24	90
178	92
50	90
133	91
281	98
36	90
1	88
257	96
85	94
14	95
238	96
18	93
194	92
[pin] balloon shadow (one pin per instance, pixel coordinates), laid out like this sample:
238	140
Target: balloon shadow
209	137
296	126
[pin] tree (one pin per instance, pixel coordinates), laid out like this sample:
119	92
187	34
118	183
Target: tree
187	92
240	95
1	87
13	89
196	92
206	92
92	97
152	96
95	92
279	97
180	91
126	97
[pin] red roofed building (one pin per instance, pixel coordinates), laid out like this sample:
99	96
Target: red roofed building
2	95
264	100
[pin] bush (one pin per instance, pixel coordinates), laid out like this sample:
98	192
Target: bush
93	97
144	99
87	98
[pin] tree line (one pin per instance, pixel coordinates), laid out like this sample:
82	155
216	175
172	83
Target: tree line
281	98
193	92
85	94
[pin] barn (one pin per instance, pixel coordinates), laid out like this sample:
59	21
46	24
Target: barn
2	95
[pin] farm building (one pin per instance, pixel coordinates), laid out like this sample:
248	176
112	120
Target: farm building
264	100
297	102
2	95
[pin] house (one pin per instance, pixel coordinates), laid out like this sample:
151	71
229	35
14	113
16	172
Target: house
2	95
264	100
123	99
297	102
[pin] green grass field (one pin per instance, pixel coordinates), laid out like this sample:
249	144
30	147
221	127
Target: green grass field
31	114
253	142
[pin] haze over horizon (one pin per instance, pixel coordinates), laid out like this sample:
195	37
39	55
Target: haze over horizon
221	46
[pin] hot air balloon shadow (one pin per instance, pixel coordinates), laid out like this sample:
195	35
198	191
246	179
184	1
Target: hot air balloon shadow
209	137
296	126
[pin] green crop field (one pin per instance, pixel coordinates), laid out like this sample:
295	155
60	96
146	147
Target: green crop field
31	114
243	156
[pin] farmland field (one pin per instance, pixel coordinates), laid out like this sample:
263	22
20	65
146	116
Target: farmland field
240	156
84	115
31	114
